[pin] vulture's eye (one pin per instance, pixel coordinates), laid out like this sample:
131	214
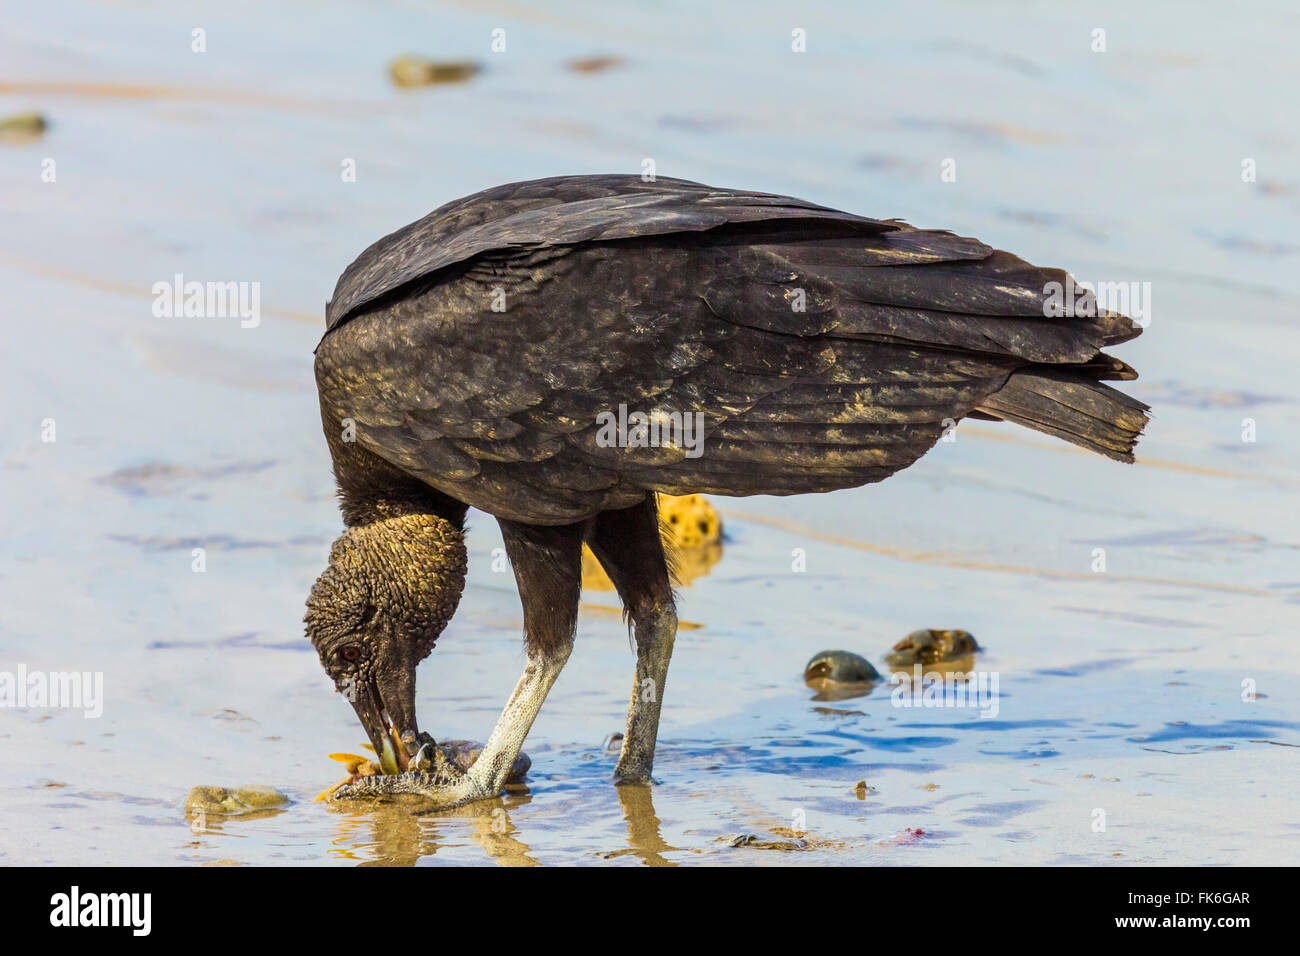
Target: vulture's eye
351	653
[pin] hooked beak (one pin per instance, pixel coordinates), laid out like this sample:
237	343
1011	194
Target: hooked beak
387	712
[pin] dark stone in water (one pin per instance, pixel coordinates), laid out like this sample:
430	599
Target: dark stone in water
840	667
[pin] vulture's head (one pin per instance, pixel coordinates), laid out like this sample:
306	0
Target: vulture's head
376	611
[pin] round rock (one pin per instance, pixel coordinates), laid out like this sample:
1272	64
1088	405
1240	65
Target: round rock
839	667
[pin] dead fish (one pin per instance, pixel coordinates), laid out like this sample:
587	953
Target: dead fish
358	767
399	754
400	768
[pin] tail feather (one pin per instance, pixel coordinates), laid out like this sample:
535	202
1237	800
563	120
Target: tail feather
1071	405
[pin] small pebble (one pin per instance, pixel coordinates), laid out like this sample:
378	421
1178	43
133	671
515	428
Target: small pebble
595	64
413	71
22	127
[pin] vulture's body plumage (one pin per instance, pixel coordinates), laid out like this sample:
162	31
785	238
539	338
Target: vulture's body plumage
473	358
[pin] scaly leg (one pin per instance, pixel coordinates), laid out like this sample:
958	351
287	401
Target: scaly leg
547	562
628	545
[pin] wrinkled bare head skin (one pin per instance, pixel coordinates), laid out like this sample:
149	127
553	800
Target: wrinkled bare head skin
378	608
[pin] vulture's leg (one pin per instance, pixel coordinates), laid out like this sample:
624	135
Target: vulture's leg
548	569
628	545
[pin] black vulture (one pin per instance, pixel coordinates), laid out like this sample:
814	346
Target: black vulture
476	358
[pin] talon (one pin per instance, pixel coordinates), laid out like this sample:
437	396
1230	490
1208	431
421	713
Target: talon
420	760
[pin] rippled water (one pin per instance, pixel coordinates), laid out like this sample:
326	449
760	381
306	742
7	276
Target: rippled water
1120	691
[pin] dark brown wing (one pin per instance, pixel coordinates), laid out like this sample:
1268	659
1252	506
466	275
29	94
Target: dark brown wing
818	352
561	211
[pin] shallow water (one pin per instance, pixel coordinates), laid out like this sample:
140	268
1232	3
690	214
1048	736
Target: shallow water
1119	691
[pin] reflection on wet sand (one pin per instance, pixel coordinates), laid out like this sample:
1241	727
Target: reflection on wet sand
643	837
398	832
494	832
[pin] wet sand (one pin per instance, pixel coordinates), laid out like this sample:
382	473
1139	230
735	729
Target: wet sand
1120	691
